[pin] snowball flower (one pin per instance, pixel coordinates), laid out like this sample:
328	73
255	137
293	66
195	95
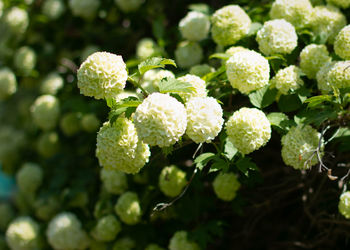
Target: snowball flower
102	75
17	20
297	12
344	204
118	147
85	9
194	26
128	208
247	71
322	77
8	83
25	59
172	180
229	24
107	228
338	75
153	77
204	119
233	49
199	87
70	123
299	145
23	234
327	21
226	186
248	129
312	58
340	3
45	111
146	48
53	9
51	84
90	123
160	120
48	144
179	241
342	43
114	181
129	5
188	54
288	79
29	178
277	37
64	232
87	51
201	70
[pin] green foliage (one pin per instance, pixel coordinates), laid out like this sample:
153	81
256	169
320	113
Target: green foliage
153	63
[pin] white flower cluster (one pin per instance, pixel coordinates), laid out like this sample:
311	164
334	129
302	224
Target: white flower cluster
338	75
114	181
65	232
225	186
248	71
118	147
129	5
25	60
179	241
29	178
299	145
70	123
188	54
51	84
8	83
277	37
172	180
53	9
248	129
297	12
197	83
342	43
128	208
146	48
322	77
204	119
45	111
85	9
229	25
107	228
160	120
344	204
288	79
16	20
23	234
194	26
312	58
233	49
102	75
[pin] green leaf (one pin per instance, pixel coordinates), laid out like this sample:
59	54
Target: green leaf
222	56
317	117
280	122
172	85
229	150
219	164
132	63
254	28
115	113
111	102
211	76
263	97
203	159
158	27
317	100
127	106
289	103
245	164
154	62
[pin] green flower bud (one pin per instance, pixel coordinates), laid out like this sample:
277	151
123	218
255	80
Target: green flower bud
90	123
16	20
51	84
128	208
46	208
114	181
45	111
70	123
25	60
146	48
107	228
226	186
172	180
53	9
179	241
8	83
124	244
48	144
86	9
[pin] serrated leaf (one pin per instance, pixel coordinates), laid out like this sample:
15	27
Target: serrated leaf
172	85
229	150
203	159
317	100
289	103
153	63
219	164
280	122
245	164
263	97
212	75
222	56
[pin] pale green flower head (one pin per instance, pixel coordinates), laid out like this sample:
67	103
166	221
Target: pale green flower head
188	54
225	186
128	208
8	83
45	111
53	9
114	181
51	84
339	75
344	204
172	180
342	43
312	58
248	129
288	80
179	241
233	49
86	9
90	123
322	78
107	228
194	26
25	60
229	25
70	123
16	20
129	5
29	178
146	48
197	83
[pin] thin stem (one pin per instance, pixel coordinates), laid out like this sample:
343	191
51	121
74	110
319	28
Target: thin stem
138	85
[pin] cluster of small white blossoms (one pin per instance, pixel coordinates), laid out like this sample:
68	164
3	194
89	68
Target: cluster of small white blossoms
152	78
233	49
288	79
338	75
8	83
114	181
225	186
102	75
51	84
128	208
248	129
29	178
129	5
85	9
107	228
247	71
194	26
342	43
146	48
188	54
45	111
299	146
321	76
179	241
53	9
297	12
199	87
61	229
16	20
277	37
119	147
204	119
172	180
344	204
23	233
312	58
229	25
160	120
